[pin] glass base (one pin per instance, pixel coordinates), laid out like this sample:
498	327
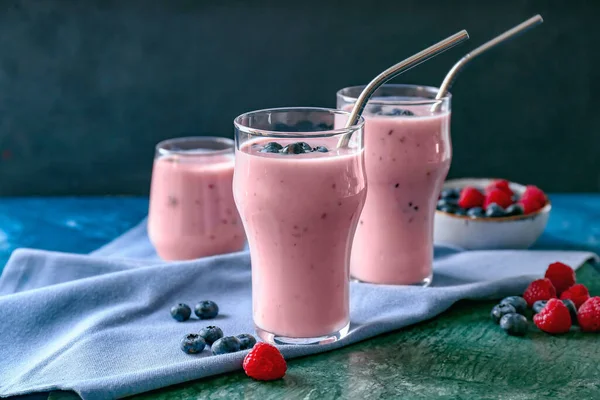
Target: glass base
274	338
424	283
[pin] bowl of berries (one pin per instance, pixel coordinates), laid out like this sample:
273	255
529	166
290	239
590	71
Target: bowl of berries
476	213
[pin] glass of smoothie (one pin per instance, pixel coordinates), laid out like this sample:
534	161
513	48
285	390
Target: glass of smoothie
407	157
299	197
192	213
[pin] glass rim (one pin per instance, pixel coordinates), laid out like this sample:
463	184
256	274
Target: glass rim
280	134
382	101
229	146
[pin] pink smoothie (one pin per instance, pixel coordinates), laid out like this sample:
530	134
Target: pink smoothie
192	212
407	159
300	213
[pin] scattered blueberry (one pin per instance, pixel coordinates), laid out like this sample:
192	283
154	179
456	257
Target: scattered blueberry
206	309
452	193
247	341
321	149
271	147
539	305
227	344
572	310
447	209
397	112
476	212
211	334
514	209
305	126
514	324
293	148
181	312
500	310
517	302
192	343
306	147
494	211
460	211
447	202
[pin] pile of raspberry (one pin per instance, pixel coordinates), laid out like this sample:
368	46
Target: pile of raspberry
557	301
496	200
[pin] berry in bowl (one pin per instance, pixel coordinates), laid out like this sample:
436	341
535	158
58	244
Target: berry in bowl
478	214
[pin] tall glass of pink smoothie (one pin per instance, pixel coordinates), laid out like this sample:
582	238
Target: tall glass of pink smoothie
192	213
407	157
299	197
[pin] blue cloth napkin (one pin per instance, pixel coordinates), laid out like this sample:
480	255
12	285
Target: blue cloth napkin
100	324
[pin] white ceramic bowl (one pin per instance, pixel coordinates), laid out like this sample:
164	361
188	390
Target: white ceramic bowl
515	232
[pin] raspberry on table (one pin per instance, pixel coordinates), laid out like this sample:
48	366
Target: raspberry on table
588	315
554	318
540	289
561	275
497	196
578	293
264	363
470	197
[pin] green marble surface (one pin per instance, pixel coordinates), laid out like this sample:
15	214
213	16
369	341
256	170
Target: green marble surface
459	355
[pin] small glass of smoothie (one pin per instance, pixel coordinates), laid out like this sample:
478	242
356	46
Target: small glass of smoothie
407	157
299	197
192	213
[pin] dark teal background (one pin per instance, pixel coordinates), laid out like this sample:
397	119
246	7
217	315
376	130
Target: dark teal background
88	87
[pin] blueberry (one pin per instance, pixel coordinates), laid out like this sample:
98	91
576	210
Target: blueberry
321	149
447	202
305	126
452	193
227	344
192	343
514	324
293	148
514	209
501	309
397	112
271	147
206	309
447	209
460	211
494	211
572	310
476	212
247	341
211	334
281	127
323	127
539	305
181	312
306	147
517	302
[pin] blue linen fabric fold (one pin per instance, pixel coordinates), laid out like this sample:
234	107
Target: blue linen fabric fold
99	324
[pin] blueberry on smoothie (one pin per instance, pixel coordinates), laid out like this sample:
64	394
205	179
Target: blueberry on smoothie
321	149
401	112
192	343
211	334
206	309
227	344
293	148
476	212
181	312
514	209
306	147
247	341
271	147
494	211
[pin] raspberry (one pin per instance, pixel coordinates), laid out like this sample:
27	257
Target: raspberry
499	197
470	197
554	318
530	205
561	275
264	363
589	315
578	294
501	184
535	193
541	289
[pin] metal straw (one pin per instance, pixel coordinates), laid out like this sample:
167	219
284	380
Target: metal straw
522	27
394	71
